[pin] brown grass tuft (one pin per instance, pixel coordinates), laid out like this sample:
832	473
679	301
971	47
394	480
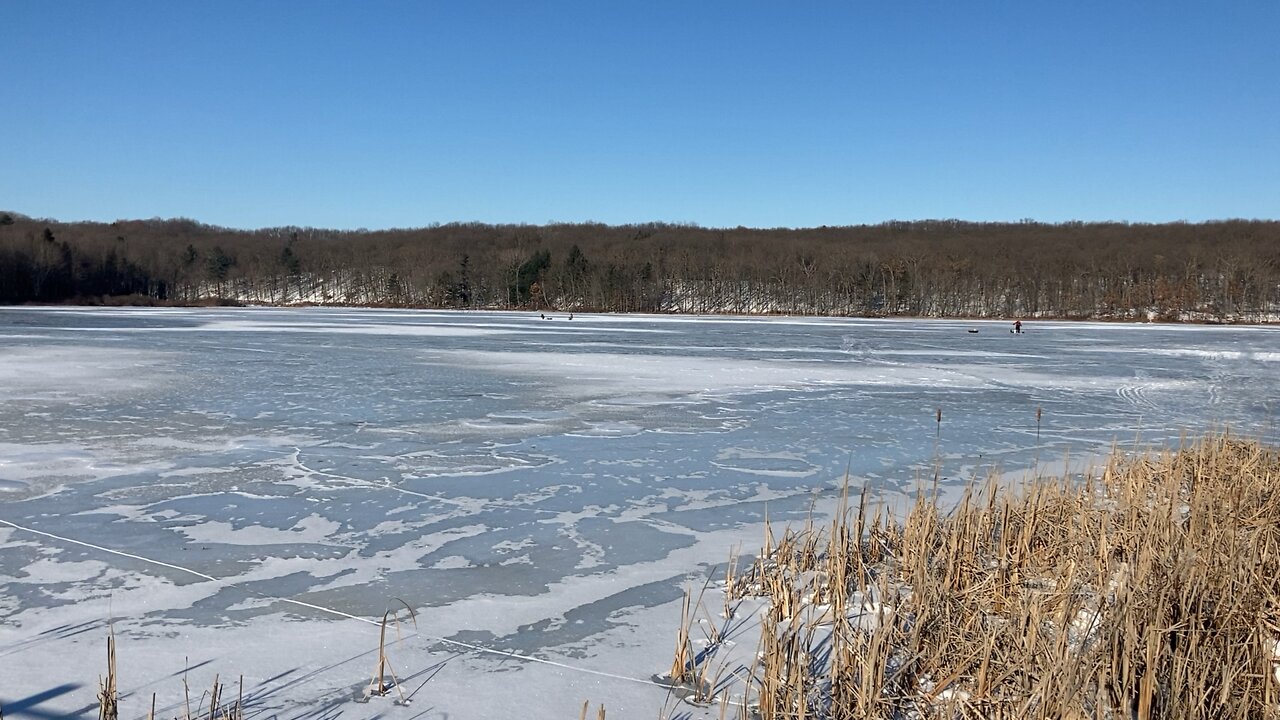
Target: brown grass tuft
108	695
1150	589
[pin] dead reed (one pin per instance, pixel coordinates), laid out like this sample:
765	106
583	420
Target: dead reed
1148	589
378	685
109	696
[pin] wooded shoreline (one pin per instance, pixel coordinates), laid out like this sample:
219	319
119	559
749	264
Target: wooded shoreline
1214	272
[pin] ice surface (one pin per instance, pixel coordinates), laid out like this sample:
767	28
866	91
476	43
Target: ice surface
249	488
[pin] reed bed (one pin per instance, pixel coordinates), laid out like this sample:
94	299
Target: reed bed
1147	589
211	705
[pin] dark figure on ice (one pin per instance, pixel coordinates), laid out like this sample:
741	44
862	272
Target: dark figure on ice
1017	326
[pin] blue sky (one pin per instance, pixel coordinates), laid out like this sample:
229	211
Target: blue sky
763	114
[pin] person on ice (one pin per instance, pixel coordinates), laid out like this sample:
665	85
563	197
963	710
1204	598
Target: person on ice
1017	326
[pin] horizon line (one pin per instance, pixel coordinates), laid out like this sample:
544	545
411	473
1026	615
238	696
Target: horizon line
647	223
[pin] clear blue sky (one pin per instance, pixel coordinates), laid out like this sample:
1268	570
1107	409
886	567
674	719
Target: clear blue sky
764	114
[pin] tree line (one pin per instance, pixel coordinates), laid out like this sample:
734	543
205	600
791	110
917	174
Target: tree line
1213	271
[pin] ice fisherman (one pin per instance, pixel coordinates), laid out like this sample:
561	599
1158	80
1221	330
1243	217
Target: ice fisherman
1017	326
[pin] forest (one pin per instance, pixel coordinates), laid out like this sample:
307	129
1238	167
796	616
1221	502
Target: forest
1221	271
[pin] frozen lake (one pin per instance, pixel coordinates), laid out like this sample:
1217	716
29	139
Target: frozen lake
243	489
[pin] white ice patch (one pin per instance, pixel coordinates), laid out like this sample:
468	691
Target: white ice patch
50	570
772	464
507	546
312	529
619	374
66	373
1198	353
196	472
390	527
452	562
430	463
333	328
41	467
607	430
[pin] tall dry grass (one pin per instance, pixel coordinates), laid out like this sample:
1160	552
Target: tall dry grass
1150	589
218	708
108	694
